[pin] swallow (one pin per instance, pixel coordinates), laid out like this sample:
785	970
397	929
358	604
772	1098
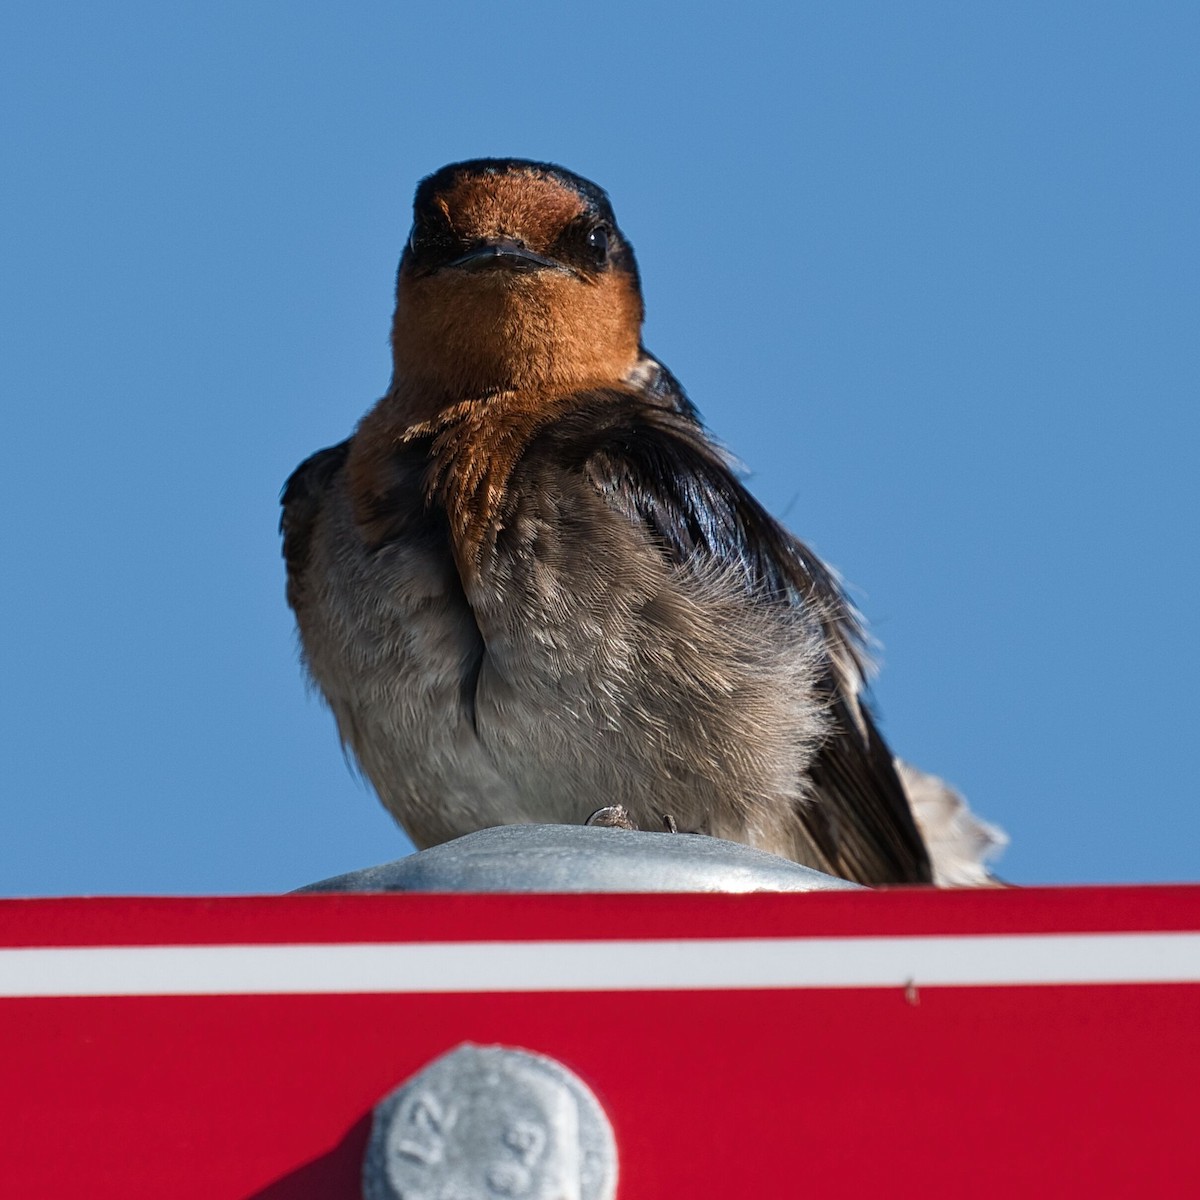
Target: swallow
532	586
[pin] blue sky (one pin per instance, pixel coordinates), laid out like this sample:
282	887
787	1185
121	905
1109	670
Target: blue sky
930	269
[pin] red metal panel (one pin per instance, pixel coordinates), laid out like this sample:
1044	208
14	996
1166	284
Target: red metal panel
324	917
1077	1090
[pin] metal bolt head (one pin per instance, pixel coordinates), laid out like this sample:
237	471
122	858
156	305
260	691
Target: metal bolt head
491	1123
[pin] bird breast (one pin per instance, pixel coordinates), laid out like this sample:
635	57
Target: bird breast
499	644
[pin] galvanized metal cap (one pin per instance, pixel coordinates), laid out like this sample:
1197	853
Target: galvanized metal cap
579	858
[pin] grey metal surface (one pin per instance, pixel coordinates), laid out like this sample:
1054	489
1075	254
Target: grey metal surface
579	858
483	1122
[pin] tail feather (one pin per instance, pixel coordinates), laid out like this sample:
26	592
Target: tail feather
960	843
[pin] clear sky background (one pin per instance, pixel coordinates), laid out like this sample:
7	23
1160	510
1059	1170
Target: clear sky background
930	269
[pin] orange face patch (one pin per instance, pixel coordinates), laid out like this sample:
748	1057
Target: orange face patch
458	334
523	205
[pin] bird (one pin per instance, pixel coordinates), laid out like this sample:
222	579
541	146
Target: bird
531	585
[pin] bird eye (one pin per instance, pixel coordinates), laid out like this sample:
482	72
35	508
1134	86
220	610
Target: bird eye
597	240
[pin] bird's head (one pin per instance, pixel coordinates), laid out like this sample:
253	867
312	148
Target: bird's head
515	276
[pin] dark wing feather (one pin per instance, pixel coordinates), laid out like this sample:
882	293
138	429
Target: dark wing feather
654	462
301	501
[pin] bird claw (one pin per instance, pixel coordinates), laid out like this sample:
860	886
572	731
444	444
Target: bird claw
613	816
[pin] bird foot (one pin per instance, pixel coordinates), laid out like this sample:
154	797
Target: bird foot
613	816
616	816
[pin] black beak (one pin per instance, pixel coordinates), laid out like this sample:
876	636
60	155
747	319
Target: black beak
503	254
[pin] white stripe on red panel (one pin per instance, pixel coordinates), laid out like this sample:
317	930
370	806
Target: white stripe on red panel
702	964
